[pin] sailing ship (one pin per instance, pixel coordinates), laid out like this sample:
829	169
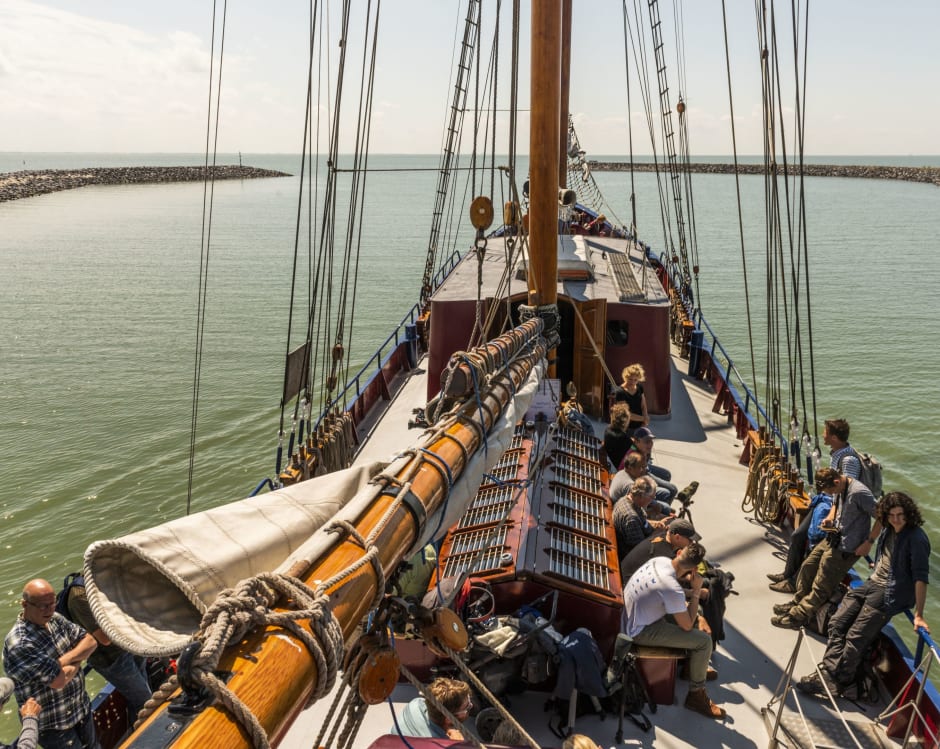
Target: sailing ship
463	433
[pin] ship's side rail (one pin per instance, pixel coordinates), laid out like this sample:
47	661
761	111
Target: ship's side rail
371	384
908	677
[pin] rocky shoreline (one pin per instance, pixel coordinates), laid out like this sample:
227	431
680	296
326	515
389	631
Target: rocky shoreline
26	184
929	174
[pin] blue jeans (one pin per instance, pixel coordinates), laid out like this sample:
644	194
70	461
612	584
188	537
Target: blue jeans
80	736
128	676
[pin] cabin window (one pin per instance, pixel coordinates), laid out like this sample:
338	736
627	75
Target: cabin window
618	332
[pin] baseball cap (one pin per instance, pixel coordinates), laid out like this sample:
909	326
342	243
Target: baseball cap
641	433
6	690
684	528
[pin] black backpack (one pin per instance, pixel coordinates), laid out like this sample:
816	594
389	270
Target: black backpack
626	687
62	597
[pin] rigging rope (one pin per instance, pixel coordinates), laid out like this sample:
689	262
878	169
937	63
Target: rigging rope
208	194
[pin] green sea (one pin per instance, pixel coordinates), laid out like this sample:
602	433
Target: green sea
98	293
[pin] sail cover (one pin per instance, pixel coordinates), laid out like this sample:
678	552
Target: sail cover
148	590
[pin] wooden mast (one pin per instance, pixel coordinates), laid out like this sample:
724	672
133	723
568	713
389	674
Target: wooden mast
272	672
544	138
565	89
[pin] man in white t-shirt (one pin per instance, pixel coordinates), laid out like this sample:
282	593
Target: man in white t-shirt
655	613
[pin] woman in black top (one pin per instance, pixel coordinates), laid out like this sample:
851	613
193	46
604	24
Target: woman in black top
616	439
631	393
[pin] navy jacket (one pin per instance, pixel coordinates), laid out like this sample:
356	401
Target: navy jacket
910	563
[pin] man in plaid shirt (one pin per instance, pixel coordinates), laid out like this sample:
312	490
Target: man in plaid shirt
43	655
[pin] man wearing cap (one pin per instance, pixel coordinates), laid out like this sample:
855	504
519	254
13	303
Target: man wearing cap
643	444
664	543
29	715
43	653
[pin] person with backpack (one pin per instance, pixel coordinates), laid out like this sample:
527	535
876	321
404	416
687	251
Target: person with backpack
899	581
124	671
807	534
655	613
850	536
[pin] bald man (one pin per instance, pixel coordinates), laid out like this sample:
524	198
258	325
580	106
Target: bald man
43	654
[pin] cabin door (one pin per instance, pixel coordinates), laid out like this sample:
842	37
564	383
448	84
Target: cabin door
590	329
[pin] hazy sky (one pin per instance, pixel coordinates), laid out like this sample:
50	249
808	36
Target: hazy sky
125	76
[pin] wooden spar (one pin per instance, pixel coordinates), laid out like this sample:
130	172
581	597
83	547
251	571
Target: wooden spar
459	381
565	89
273	673
544	138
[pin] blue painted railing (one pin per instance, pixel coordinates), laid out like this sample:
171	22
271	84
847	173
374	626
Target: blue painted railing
373	367
734	380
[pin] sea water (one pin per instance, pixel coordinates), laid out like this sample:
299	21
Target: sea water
98	299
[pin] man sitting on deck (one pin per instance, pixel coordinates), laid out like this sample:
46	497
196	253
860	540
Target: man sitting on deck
655	613
629	517
902	566
848	526
678	534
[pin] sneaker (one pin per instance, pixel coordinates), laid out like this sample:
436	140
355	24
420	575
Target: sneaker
786	622
776	577
783	608
698	700
784	586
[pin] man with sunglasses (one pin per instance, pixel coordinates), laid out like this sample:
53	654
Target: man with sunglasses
43	653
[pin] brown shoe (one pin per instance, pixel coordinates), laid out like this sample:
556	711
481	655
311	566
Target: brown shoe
697	700
784	586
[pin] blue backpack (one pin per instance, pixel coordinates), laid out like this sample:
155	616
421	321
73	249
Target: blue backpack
62	597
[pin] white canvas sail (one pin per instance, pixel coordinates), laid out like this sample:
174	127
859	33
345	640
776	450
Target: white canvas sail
148	590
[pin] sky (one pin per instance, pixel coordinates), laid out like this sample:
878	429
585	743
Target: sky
118	76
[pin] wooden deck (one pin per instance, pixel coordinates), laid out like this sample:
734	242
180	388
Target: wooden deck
695	444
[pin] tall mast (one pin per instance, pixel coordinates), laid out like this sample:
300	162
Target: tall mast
544	139
565	88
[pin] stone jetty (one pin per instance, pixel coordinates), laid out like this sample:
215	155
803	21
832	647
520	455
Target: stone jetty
25	184
930	174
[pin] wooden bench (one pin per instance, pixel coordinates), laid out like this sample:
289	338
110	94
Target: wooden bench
659	667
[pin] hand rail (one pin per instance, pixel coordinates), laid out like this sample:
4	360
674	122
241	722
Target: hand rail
378	359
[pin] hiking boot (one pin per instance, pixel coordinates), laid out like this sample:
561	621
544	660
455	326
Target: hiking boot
686	494
786	622
783	608
784	586
813	684
776	577
697	700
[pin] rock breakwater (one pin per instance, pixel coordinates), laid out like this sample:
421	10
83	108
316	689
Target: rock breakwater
928	174
26	184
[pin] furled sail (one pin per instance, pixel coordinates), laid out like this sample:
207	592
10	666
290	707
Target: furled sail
148	590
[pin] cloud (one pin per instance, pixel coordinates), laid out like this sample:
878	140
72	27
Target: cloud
85	84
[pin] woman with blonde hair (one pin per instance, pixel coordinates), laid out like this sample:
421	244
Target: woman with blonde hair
579	741
631	393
